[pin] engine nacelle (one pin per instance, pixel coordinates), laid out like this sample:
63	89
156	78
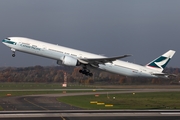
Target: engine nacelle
69	61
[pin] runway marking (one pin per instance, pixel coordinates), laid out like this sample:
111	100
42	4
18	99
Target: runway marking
171	113
35	104
62	118
41	107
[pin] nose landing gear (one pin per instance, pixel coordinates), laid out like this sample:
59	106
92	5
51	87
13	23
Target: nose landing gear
13	55
13	52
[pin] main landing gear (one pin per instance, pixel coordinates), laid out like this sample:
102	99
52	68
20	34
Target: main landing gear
86	72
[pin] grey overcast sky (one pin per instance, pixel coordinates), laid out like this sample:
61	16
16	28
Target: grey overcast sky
143	28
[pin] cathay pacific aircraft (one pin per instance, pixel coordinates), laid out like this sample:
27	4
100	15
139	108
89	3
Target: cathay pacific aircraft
73	57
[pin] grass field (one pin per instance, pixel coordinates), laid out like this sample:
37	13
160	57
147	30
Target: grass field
14	86
23	86
20	93
157	100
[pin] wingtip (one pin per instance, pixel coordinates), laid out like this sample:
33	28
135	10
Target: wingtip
128	55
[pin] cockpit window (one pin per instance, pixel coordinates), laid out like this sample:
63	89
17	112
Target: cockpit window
8	39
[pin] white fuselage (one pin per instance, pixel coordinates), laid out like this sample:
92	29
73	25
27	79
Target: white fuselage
56	52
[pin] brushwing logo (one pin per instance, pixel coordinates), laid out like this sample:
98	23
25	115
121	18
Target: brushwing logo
161	62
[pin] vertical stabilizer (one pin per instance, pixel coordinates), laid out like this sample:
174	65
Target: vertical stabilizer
160	63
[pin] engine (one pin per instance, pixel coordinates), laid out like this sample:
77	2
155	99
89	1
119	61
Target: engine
69	61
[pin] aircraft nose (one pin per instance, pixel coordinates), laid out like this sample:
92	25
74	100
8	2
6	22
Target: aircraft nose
3	41
8	41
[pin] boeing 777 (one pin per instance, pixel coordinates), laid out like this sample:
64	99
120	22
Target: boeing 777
73	57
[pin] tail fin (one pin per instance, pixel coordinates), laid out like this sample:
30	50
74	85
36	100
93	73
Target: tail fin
160	63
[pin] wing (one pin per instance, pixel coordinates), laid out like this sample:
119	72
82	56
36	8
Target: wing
96	61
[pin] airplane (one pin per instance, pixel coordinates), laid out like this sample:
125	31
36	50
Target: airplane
72	57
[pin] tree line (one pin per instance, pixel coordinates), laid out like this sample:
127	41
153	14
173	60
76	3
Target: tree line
51	74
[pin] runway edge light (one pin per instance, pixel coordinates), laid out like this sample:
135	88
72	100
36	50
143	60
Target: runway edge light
93	102
109	105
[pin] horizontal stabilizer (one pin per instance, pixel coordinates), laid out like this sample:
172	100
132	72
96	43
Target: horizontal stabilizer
165	75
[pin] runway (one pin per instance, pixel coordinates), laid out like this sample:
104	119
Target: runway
34	103
91	114
43	107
